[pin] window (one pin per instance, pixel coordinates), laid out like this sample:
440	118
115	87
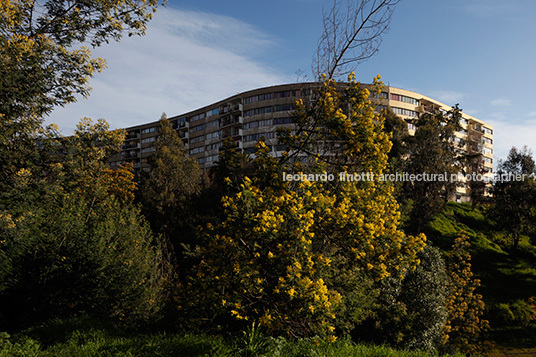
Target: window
197	150
257	111
464	121
487	141
379	108
214	135
256	137
403	98
267	122
281	121
265	110
212	146
488	131
486	150
212	158
212	112
251	125
197	117
197	128
181	122
382	95
197	139
487	160
149	130
412	126
268	96
213	123
405	112
149	149
148	140
285	94
284	107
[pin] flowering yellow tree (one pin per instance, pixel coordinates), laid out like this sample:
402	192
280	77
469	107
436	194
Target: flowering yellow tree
465	306
302	257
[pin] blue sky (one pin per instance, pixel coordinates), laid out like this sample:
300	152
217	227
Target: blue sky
477	53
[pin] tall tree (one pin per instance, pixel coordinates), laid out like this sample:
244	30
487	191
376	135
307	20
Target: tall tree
514	195
431	151
169	191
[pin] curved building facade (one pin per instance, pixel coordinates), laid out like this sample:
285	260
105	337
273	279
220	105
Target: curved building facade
248	116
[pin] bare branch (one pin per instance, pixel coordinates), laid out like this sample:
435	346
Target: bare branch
351	35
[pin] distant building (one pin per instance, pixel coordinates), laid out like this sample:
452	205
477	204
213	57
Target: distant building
248	116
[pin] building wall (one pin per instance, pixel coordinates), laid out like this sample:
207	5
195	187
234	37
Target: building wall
248	116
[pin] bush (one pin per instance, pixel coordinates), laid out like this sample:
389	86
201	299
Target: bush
412	313
69	258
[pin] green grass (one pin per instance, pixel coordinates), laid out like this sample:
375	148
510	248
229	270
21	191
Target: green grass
85	337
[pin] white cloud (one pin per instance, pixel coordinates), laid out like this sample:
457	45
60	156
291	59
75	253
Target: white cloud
501	102
508	134
187	60
448	97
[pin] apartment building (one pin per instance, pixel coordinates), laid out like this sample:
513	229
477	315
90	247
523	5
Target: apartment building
248	116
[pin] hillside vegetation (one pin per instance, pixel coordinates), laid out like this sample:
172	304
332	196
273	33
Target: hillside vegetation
508	276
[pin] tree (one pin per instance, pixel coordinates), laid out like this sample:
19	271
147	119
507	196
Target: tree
42	65
515	197
431	151
336	128
169	194
171	182
74	242
398	128
302	258
465	306
411	312
352	34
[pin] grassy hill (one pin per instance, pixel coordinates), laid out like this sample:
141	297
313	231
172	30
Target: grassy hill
508	276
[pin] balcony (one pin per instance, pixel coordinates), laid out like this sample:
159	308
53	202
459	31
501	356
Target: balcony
231	108
233	120
231	132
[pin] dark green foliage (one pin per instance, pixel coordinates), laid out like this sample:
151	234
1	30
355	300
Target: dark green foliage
399	137
412	311
431	151
518	313
170	185
171	194
73	242
67	259
515	200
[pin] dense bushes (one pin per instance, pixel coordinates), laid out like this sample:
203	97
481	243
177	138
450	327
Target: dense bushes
73	242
